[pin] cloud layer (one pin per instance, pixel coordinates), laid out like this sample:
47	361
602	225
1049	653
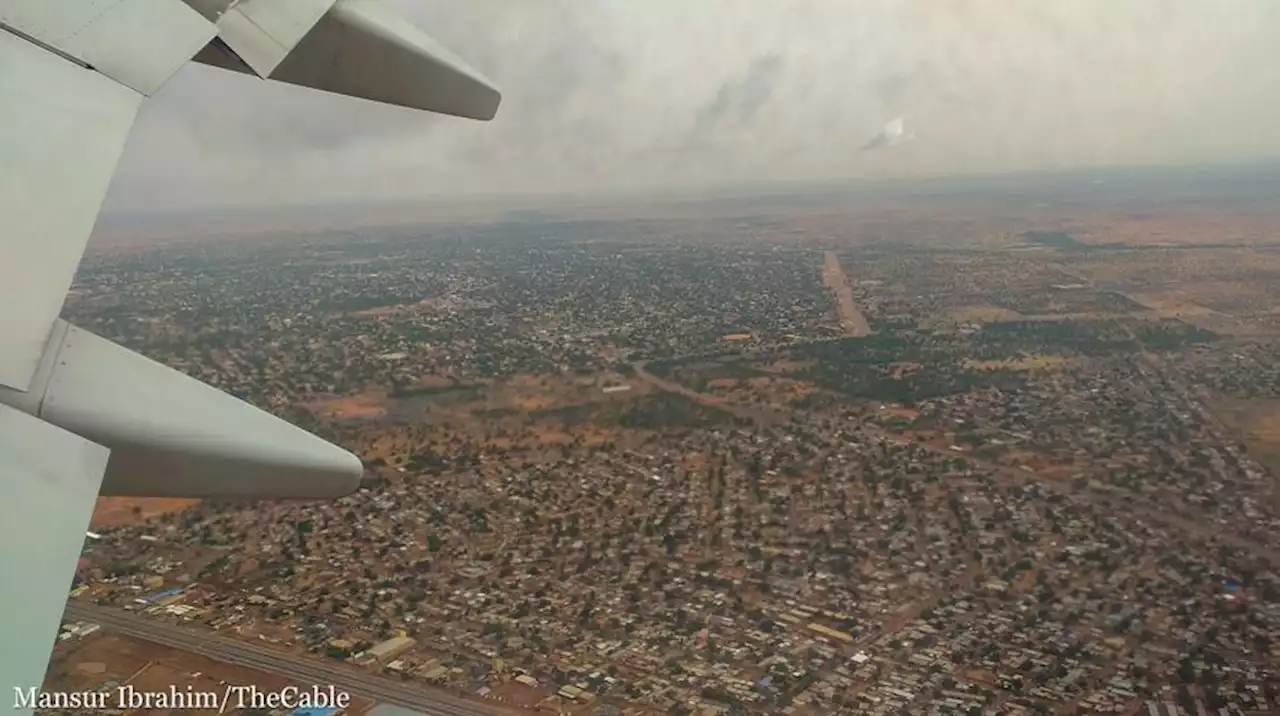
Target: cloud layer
623	95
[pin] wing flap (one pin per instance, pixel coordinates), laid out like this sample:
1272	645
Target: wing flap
357	48
264	32
362	49
138	43
171	435
51	480
65	128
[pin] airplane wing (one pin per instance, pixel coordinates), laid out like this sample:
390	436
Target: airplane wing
357	48
79	415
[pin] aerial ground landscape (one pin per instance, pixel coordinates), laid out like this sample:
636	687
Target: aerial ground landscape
967	449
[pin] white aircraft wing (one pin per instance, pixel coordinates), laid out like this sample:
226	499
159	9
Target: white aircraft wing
357	48
51	479
65	126
79	415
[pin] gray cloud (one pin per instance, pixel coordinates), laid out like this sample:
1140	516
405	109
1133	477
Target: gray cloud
739	100
613	95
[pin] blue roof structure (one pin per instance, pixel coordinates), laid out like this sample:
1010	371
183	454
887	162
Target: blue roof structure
314	711
163	594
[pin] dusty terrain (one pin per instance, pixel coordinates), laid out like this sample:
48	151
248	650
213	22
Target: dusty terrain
352	407
1256	423
114	511
103	659
979	313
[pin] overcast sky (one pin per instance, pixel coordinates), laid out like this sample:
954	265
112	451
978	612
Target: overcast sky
623	95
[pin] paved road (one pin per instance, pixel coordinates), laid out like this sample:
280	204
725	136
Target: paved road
305	671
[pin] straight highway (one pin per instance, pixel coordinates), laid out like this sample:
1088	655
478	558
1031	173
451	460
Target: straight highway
304	670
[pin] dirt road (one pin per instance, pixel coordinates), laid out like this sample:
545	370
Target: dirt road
757	414
851	319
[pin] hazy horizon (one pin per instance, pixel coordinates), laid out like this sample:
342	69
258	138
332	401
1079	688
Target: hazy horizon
611	99
1236	183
